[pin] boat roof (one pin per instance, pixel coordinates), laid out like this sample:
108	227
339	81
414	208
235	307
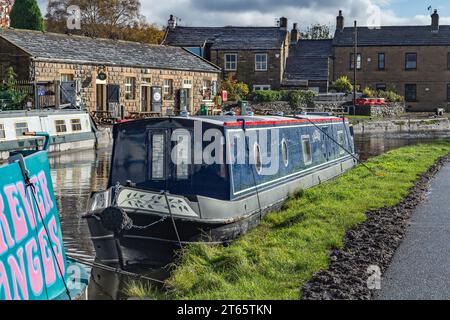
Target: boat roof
235	121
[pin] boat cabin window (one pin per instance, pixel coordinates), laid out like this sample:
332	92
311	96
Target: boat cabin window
2	131
258	161
307	152
341	141
158	157
21	128
60	126
76	124
181	157
285	152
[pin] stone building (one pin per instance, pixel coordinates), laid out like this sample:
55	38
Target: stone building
110	73
414	61
254	55
5	10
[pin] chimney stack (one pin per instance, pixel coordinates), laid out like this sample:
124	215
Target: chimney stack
295	34
340	21
283	23
172	23
435	21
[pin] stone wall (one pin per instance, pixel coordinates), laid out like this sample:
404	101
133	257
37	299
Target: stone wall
389	110
403	126
87	75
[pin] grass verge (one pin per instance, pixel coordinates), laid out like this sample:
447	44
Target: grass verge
274	260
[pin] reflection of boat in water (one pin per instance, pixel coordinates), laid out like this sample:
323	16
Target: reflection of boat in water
248	166
33	263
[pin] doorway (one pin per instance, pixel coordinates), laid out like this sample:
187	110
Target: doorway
101	98
145	98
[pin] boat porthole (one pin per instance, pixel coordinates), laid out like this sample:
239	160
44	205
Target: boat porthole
258	161
285	152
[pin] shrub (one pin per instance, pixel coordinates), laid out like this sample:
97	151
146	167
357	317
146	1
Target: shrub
267	96
13	98
343	84
236	90
301	98
391	96
369	92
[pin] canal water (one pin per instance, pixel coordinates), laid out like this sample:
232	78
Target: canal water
77	174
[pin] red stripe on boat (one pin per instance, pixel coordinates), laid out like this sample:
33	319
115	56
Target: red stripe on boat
280	122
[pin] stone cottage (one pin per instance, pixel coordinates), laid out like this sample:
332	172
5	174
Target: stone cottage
253	55
111	73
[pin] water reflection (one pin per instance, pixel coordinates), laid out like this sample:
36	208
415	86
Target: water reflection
76	175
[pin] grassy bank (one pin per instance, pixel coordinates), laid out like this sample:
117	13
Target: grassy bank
276	259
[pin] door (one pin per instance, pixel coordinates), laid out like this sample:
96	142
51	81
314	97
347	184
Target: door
145	99
67	93
101	101
113	96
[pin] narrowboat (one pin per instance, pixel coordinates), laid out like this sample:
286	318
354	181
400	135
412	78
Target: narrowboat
68	130
183	180
33	262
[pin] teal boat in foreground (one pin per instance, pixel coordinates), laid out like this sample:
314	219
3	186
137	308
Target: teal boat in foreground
33	262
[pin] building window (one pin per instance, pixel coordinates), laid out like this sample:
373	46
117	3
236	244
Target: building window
76	124
358	61
411	61
411	92
307	151
261	62
230	62
380	87
60	126
258	159
261	87
448	94
448	61
66	77
285	152
2	131
168	89
207	90
130	88
21	128
381	61
157	160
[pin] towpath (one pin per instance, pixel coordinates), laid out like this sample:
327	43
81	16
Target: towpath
421	266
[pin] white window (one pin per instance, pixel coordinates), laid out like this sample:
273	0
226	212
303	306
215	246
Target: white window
66	77
230	61
285	152
146	81
264	87
158	157
76	124
21	128
258	161
261	62
207	90
168	89
60	126
2	131
130	88
341	141
307	151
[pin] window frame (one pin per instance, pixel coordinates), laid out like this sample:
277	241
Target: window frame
358	63
258	158
448	92
168	89
406	61
285	152
228	64
448	61
73	123
2	131
307	161
406	91
205	88
261	63
341	141
69	76
381	54
163	155
58	127
21	129
262	87
130	94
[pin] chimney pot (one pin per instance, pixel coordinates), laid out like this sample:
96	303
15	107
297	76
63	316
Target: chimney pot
295	34
283	23
172	23
435	21
340	21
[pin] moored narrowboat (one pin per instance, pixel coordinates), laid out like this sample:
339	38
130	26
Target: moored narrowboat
177	181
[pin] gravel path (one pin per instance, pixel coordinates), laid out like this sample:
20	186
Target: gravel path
421	266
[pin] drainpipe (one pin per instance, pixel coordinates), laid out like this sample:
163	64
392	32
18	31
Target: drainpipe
355	61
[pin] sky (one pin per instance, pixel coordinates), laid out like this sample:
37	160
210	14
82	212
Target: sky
304	12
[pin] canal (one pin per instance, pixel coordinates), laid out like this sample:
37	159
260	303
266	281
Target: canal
77	174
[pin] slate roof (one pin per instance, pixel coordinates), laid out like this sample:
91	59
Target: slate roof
227	38
394	36
308	60
85	50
